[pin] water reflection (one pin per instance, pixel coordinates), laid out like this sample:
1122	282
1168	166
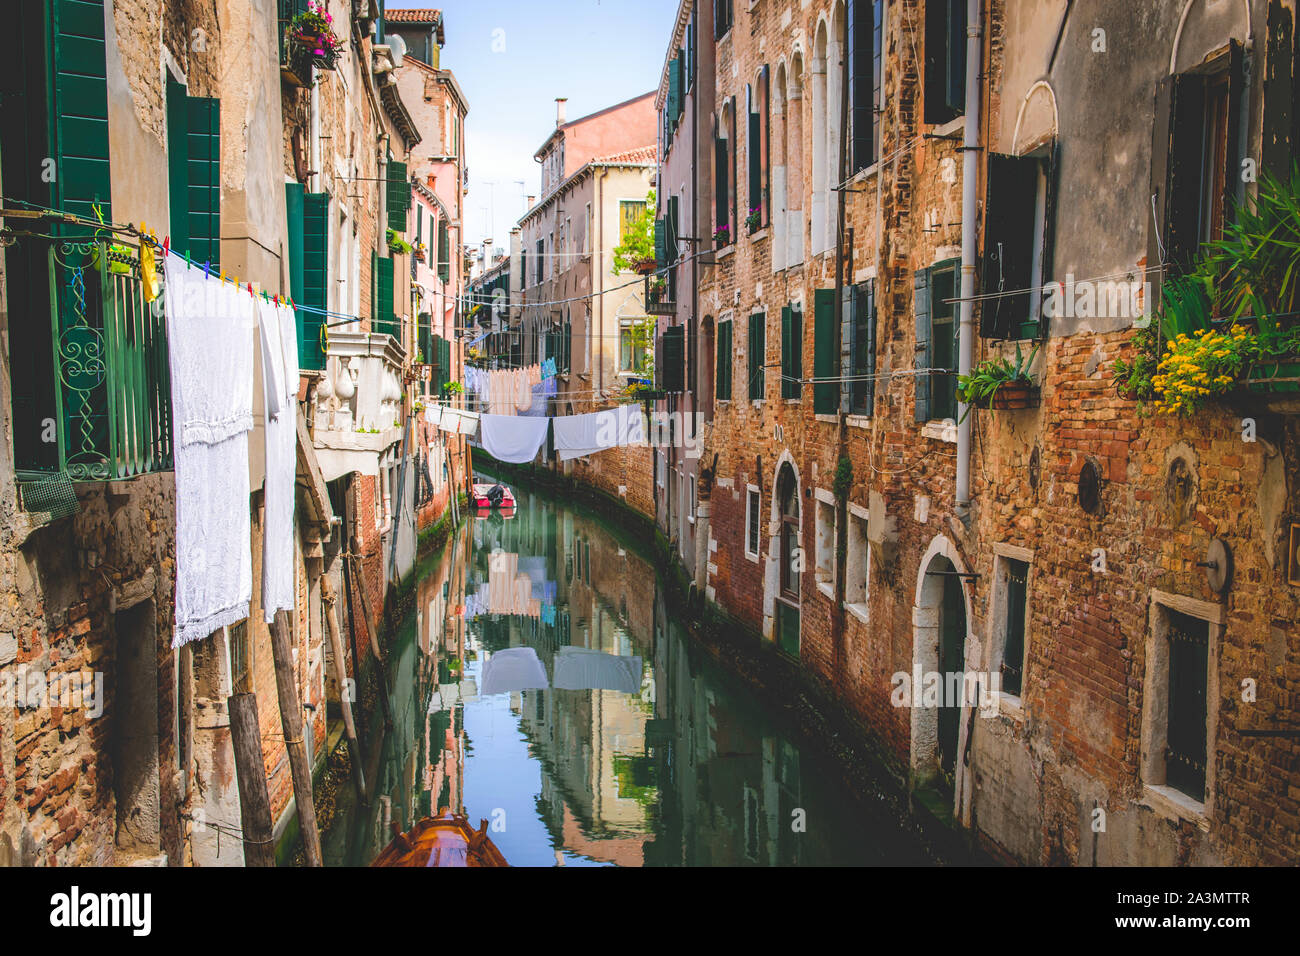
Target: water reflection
543	684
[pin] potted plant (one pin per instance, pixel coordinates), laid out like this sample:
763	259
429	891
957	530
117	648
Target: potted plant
646	266
1000	384
754	219
1277	369
722	235
420	251
396	244
454	388
311	34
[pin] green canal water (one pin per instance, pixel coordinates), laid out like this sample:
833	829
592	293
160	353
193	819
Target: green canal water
601	735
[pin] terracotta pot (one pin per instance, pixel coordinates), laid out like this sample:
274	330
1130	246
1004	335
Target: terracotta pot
1016	395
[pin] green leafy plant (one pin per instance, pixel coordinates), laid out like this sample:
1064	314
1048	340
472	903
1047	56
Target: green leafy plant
455	388
985	379
396	244
843	478
638	244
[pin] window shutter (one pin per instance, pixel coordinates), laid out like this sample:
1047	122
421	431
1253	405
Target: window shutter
825	344
294	194
955	88
79	113
921	306
722	362
1009	204
387	322
178	198
203	177
444	250
721	210
871	347
754	146
786	313
692	358
1279	93
859	32
399	195
1183	149
1232	152
674	93
757	355
672	375
315	278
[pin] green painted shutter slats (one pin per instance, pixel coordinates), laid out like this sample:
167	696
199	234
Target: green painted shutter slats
386	321
672	374
203	177
79	114
921	306
791	353
444	251
315	279
722	371
399	195
674	92
757	355
661	242
826	340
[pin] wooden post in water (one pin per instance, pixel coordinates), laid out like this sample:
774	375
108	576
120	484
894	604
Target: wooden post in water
336	647
250	773
291	721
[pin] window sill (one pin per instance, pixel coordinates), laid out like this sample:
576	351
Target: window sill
858	421
945	430
826	590
1175	805
955	125
1011	707
751	556
859	611
724	252
758	234
827	419
793	401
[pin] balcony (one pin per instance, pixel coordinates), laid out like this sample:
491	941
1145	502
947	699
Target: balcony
358	402
91	385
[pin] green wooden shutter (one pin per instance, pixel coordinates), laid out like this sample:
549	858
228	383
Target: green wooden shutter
791	352
386	320
757	355
674	92
444	250
672	370
177	166
871	347
661	242
79	109
921	306
722	372
826	342
315	279
203	177
399	195
294	203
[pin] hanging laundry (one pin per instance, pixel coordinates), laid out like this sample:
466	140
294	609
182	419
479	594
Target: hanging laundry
279	337
579	435
210	354
433	415
514	439
548	368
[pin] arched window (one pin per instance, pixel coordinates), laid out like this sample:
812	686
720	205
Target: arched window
820	161
787	492
758	145
794	174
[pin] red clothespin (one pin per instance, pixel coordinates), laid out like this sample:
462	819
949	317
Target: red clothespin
250	290
167	245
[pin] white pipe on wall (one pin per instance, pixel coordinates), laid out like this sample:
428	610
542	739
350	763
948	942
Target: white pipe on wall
969	184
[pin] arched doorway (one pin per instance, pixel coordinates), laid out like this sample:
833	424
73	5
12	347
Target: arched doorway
940	691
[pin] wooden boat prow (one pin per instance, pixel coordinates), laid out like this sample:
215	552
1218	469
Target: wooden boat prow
445	840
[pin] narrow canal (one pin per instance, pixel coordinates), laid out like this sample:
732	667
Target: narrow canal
624	747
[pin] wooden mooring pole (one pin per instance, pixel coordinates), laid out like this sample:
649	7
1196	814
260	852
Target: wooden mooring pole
291	720
330	600
250	773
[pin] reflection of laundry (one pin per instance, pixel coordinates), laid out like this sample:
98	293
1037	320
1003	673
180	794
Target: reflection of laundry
548	613
513	669
447	696
509	591
578	668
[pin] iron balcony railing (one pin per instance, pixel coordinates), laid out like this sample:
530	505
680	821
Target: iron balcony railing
112	393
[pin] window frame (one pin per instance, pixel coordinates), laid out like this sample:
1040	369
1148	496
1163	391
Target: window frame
1010	704
857	563
826	536
753	521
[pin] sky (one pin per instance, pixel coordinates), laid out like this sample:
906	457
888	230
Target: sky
513	58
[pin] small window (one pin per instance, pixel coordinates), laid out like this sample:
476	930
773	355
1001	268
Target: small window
857	565
945	60
1015	597
791	353
936	342
723	360
861	301
722	13
629	211
1017	244
757	356
825	551
753	513
1185	751
791	557
631	349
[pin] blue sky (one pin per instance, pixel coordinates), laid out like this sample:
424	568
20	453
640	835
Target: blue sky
595	52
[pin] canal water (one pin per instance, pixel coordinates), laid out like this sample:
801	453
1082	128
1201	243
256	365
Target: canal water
543	683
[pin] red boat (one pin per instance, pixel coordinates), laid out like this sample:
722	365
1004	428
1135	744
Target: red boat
489	496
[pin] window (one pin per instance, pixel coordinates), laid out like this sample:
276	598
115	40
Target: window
862	347
757	355
936	341
586	237
723	360
1179	698
791	560
945	60
759	146
864	34
1011	592
1196	155
629	211
722	14
631	350
1019	201
791	353
826	353
194	173
724	159
825	542
541	258
753	514
857	564
689	68
671	369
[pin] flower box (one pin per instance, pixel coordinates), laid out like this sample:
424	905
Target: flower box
1016	395
1274	377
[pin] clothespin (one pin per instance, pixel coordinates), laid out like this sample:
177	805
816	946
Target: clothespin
223	275
207	269
167	245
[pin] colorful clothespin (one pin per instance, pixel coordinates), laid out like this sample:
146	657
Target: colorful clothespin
207	269
167	245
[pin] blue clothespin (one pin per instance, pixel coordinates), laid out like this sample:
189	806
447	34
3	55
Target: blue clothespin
207	269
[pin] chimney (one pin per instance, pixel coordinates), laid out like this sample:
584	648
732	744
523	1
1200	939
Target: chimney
559	110
531	200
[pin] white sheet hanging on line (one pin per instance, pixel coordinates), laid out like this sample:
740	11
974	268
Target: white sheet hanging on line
433	415
210	353
515	439
279	335
579	435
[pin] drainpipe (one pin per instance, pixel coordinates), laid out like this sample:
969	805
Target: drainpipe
969	177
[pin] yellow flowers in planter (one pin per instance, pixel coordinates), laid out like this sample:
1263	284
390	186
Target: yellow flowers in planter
1199	365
